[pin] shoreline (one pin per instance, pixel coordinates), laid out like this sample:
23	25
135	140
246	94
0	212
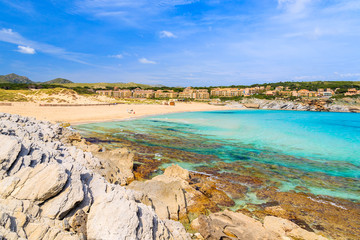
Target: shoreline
92	114
77	115
159	114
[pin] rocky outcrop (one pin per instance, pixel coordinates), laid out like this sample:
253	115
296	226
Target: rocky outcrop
294	105
35	184
165	194
230	225
50	190
175	195
177	172
117	165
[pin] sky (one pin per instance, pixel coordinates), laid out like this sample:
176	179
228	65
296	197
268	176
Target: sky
181	42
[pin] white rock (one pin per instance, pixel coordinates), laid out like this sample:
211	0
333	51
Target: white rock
71	195
9	150
36	184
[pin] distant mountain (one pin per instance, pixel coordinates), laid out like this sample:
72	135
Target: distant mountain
14	78
58	81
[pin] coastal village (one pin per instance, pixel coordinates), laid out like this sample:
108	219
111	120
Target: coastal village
205	94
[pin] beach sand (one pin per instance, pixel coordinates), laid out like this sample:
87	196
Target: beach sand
88	114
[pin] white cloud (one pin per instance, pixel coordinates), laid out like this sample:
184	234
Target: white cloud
348	5
26	50
304	78
313	34
22	6
167	34
130	12
10	36
347	75
119	56
146	61
294	6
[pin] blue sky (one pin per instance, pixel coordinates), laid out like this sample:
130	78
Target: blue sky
181	42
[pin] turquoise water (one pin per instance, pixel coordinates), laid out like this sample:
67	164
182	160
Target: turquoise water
290	147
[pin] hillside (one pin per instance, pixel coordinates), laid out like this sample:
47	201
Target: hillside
58	81
14	78
106	85
312	86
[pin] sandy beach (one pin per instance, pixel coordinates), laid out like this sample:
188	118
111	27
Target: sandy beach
87	114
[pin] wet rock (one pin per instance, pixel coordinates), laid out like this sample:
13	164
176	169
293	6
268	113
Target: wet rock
313	211
287	228
230	225
176	171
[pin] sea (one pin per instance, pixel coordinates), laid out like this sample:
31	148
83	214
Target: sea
314	152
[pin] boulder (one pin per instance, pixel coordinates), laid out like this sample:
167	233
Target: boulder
35	184
166	194
176	171
116	166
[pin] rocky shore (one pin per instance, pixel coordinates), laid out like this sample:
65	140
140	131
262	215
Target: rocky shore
309	105
56	185
50	190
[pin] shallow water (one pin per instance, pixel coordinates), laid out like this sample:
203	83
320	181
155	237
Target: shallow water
316	150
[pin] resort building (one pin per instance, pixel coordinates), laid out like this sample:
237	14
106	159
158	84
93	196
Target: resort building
227	92
189	92
104	92
352	92
294	94
279	88
139	93
306	93
166	94
122	93
325	93
270	93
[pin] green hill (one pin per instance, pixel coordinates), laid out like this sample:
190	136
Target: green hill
58	81
14	78
106	85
